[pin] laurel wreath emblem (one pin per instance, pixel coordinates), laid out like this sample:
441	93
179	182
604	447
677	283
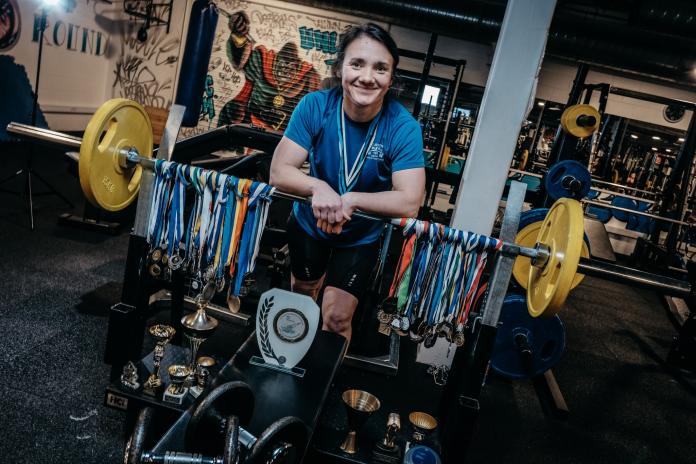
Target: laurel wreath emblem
264	332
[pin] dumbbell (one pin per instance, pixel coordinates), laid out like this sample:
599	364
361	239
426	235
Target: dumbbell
216	424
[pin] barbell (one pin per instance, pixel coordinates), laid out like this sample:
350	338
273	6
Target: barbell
117	146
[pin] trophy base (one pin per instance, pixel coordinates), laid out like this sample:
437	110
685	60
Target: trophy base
174	398
384	455
195	391
153	389
130	385
296	371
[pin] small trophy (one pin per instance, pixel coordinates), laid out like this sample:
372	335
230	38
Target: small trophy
387	451
422	424
162	333
202	375
129	376
359	406
176	391
199	326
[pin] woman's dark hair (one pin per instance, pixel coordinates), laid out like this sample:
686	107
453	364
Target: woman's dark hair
370	30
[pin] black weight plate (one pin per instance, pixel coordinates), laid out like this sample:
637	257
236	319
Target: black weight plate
205	430
136	443
230	454
283	442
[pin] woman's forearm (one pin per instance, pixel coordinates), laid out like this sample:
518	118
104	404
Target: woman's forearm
291	179
392	204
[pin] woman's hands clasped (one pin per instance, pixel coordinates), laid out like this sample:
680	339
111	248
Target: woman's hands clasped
330	209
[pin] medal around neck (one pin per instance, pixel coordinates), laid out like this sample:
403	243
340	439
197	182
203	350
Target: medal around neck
286	324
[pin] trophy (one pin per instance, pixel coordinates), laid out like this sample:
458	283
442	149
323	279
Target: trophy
422	424
387	451
359	406
129	376
202	374
199	326
176	391
162	333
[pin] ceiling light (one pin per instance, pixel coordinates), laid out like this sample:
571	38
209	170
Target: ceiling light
654	149
634	136
655	137
668	150
541	103
681	139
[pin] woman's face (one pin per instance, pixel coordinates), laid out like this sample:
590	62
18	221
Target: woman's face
366	73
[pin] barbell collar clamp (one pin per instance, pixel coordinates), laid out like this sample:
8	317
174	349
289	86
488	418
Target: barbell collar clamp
541	255
571	183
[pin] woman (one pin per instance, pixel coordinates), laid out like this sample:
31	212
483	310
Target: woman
365	153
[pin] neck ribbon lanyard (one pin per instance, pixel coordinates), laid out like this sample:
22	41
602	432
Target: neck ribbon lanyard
176	212
253	228
347	178
222	195
194	219
241	195
160	204
227	226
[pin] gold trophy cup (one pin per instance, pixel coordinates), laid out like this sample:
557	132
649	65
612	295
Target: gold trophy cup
422	424
359	406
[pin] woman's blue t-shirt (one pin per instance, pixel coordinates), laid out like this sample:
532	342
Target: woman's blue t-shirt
398	145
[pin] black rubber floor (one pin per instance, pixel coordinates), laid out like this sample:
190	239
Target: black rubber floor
57	283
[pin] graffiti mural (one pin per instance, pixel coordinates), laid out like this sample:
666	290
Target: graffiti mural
9	24
207	106
144	69
264	60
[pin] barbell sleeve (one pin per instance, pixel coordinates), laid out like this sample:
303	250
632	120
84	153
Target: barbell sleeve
627	275
44	135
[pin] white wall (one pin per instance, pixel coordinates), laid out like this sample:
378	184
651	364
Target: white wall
71	80
147	71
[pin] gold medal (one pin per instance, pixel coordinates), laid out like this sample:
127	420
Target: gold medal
384	317
155	270
156	255
278	101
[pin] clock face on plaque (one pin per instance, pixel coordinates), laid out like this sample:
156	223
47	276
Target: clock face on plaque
290	325
673	113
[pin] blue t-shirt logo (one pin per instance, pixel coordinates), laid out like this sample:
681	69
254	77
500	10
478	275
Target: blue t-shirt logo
376	152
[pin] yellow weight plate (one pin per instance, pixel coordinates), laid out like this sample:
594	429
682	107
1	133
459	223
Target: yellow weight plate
569	120
523	160
562	232
105	178
527	237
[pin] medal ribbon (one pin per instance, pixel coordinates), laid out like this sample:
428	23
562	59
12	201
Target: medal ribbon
348	178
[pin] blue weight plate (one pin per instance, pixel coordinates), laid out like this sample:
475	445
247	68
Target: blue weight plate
602	214
531	216
545	337
592	194
623	202
553	181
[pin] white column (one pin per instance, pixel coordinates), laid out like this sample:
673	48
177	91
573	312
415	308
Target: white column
508	96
